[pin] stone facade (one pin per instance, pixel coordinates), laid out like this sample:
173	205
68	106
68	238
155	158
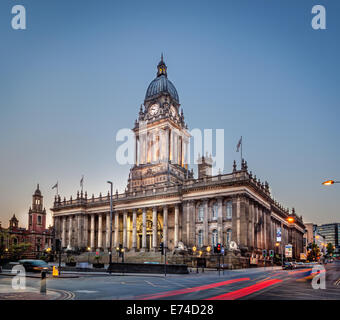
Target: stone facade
163	202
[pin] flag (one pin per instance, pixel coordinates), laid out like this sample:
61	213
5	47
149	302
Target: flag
82	181
239	145
55	186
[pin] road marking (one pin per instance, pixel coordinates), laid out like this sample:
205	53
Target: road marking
150	283
86	291
194	289
337	282
65	295
245	291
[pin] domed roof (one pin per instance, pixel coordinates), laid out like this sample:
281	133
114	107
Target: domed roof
161	84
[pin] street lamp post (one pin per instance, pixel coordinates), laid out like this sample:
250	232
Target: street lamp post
194	248
117	250
110	249
277	244
88	256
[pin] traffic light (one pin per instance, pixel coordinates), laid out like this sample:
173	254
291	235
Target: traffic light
264	252
218	248
161	248
271	253
57	245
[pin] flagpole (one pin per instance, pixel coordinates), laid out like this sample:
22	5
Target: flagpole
241	149
57	188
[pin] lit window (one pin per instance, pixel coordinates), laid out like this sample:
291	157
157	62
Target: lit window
214	238
200	238
201	213
215	211
229	234
229	206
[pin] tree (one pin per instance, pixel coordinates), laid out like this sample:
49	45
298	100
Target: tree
330	249
18	250
313	253
3	241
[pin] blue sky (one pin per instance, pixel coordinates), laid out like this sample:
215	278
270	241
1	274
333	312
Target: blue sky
254	68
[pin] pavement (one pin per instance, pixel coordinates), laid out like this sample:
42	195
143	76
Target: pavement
270	283
31	293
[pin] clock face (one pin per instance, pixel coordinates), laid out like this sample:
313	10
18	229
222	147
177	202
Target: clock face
173	111
154	109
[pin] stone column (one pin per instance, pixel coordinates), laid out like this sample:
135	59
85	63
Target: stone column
165	226
265	229
86	231
258	234
187	217
176	236
134	230
107	234
144	231
116	229
244	222
236	222
220	220
100	231
63	236
154	228
92	245
79	230
192	223
205	223
125	229
251	224
262	228
70	231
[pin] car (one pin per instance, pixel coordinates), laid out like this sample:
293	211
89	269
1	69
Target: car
300	265
34	265
288	265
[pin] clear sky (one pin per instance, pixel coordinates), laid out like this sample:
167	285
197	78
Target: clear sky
254	68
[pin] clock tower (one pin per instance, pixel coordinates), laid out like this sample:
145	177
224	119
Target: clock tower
37	213
161	137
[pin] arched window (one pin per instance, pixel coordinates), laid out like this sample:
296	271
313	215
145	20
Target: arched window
200	238
214	238
214	211
229	207
228	238
201	213
39	219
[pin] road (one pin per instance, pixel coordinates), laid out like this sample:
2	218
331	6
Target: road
261	283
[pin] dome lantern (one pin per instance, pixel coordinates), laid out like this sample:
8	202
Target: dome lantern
161	84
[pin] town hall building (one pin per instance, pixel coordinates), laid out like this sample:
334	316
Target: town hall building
165	202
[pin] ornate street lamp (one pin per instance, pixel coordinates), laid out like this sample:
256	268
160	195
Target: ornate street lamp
329	182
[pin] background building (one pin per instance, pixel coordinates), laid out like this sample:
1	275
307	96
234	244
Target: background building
331	232
37	234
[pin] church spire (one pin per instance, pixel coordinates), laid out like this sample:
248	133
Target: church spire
161	67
